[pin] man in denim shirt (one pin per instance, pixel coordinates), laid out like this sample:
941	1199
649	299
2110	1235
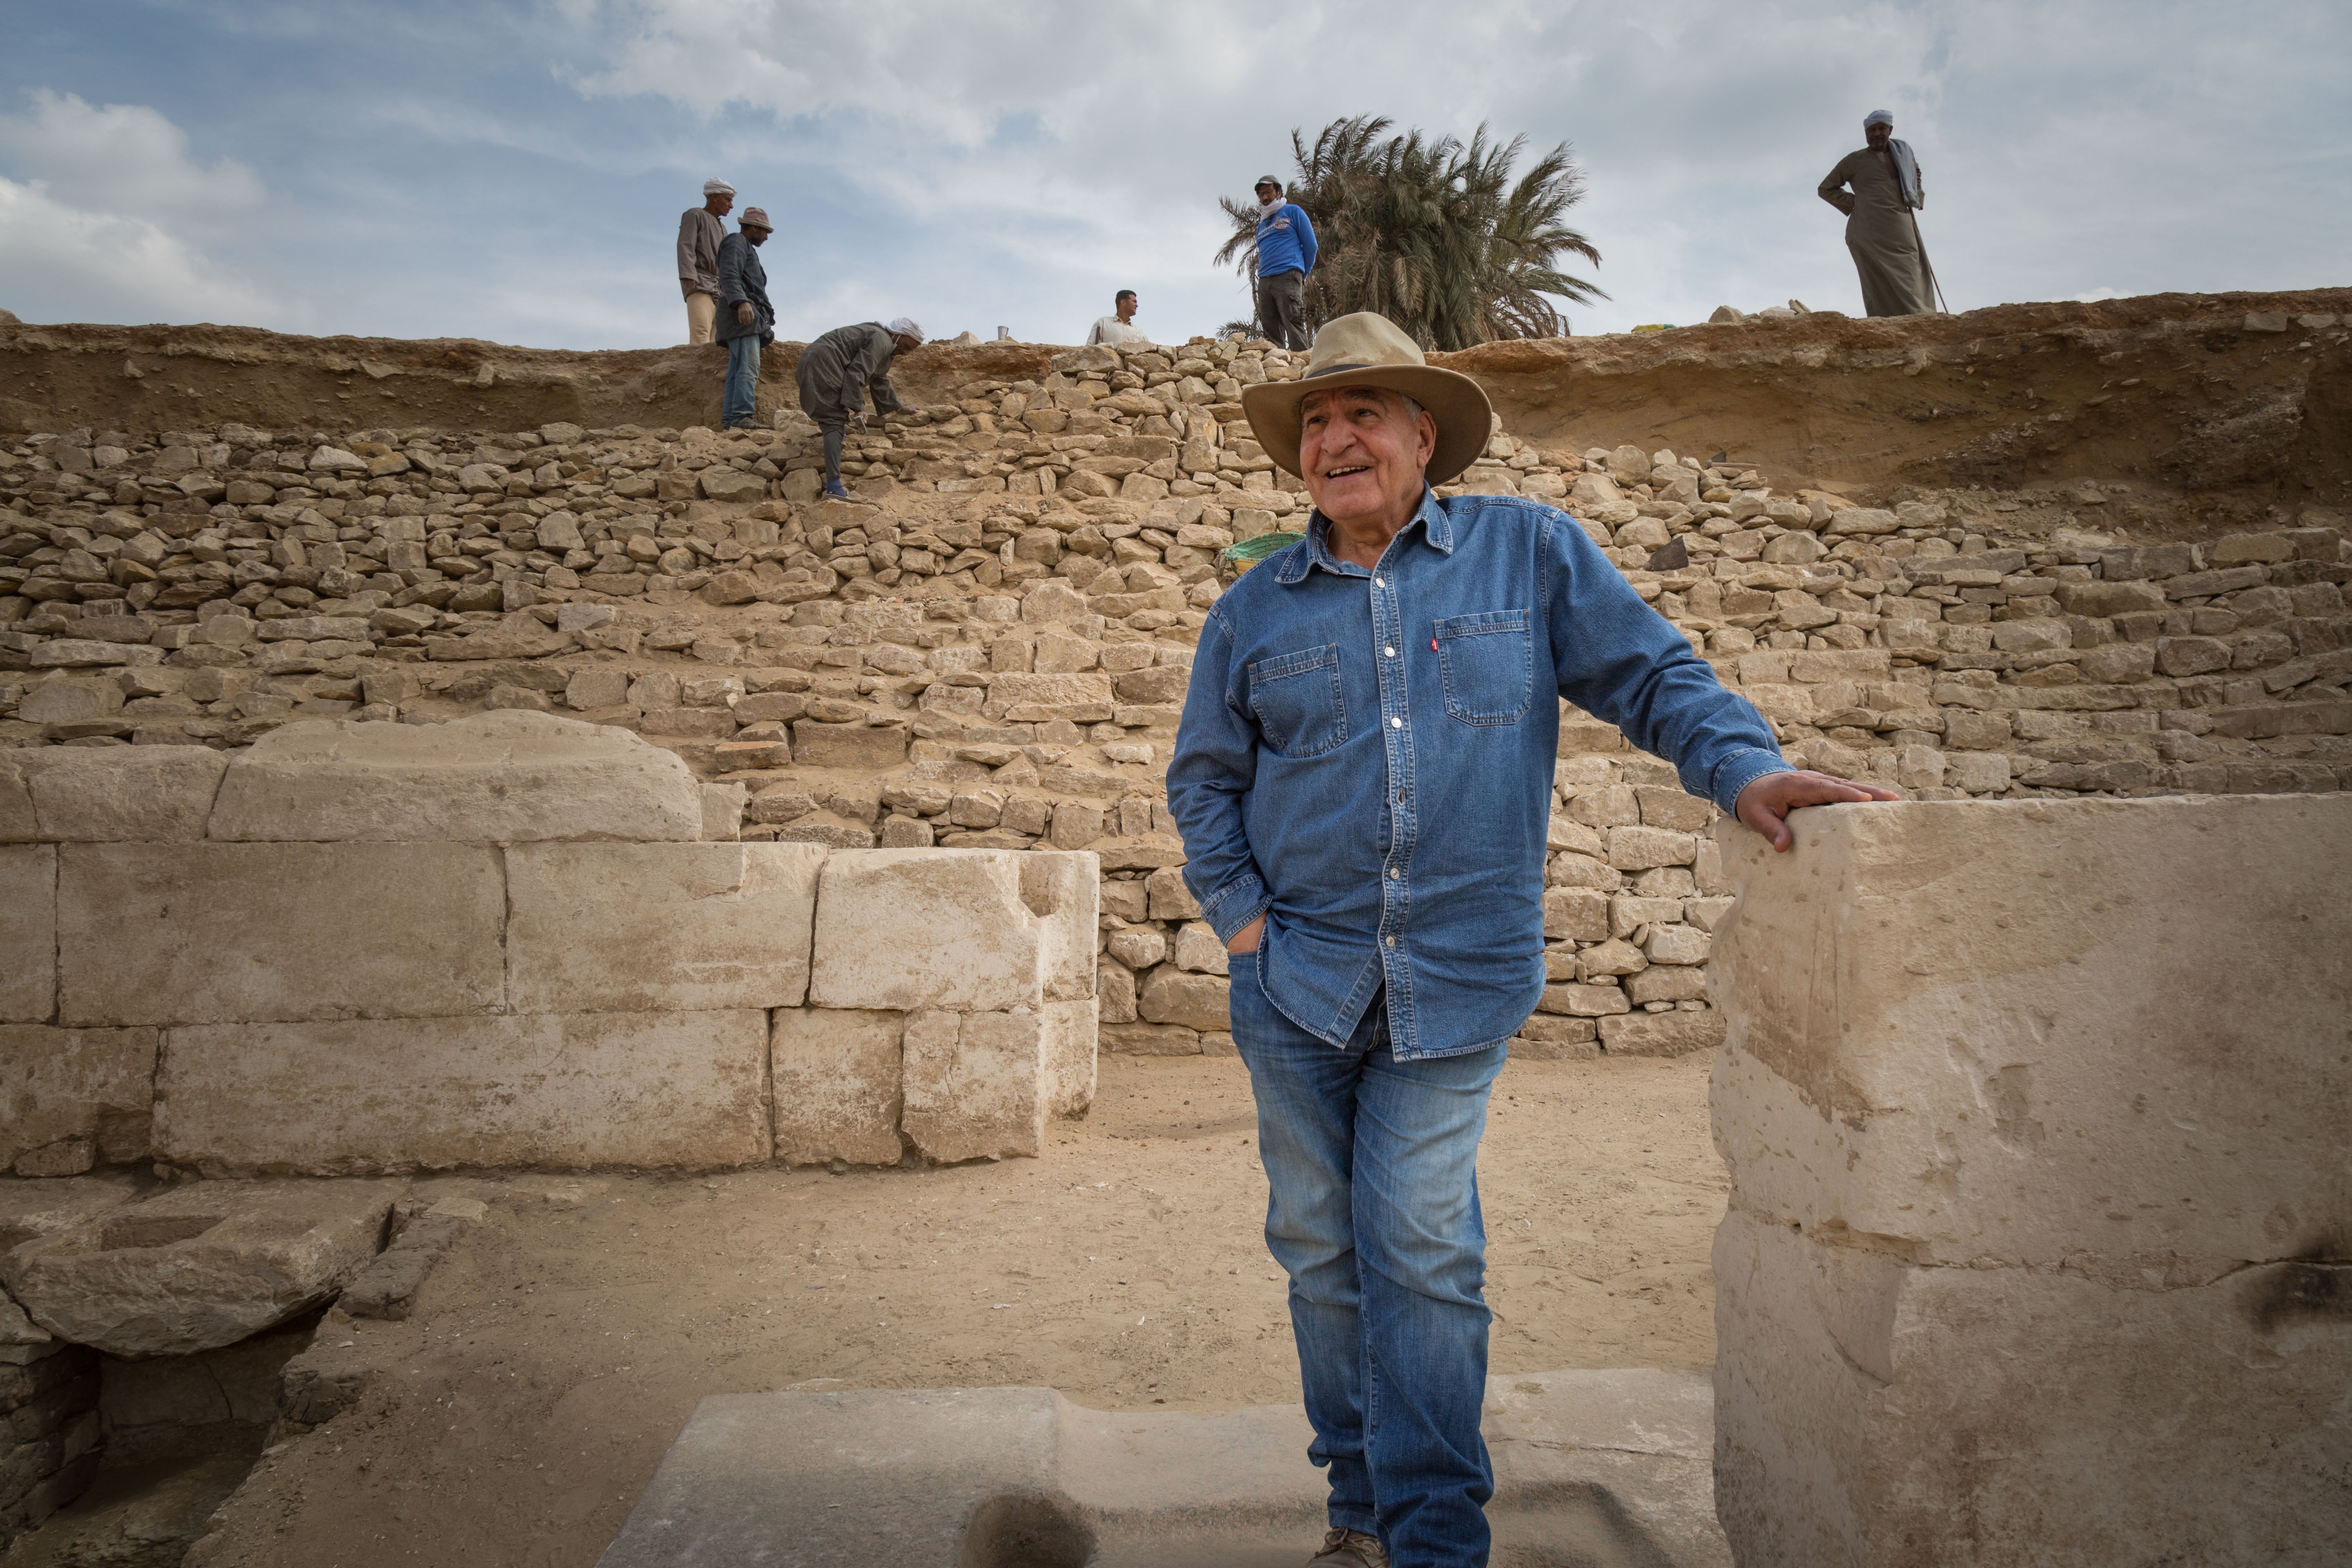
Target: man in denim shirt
1363	779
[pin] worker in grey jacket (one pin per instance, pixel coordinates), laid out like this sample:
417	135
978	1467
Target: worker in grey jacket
747	323
700	232
836	374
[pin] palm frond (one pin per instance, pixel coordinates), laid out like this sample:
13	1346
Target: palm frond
1435	232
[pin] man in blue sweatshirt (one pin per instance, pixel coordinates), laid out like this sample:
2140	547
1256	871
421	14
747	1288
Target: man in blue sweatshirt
1286	255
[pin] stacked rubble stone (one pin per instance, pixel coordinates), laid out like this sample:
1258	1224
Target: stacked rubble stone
989	650
49	1444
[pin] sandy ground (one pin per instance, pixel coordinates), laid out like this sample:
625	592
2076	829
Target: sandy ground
557	1348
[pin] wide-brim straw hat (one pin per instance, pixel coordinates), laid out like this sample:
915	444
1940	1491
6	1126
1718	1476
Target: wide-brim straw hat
1369	350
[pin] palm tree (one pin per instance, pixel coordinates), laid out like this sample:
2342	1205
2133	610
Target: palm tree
1434	234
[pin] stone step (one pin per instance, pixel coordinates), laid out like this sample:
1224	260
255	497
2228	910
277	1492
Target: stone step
1598	1467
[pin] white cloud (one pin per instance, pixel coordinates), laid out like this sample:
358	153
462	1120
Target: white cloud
60	261
2102	139
124	159
513	172
113	219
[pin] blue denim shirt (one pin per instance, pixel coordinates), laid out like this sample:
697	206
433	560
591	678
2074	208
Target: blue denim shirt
1366	759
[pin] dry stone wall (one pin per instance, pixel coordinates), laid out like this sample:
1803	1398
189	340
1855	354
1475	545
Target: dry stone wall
990	649
49	1429
506	940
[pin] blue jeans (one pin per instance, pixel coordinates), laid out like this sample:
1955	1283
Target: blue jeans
1371	1167
742	379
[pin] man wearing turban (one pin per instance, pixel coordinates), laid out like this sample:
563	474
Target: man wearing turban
699	234
1877	187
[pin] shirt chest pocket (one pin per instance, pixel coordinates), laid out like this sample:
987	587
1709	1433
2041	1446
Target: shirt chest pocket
1488	664
1296	698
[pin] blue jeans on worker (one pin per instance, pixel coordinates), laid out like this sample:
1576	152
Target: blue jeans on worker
1372	1167
742	380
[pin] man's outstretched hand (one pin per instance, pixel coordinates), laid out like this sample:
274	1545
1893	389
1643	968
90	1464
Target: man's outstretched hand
1765	804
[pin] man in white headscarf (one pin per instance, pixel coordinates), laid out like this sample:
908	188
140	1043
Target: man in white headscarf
1880	229
699	234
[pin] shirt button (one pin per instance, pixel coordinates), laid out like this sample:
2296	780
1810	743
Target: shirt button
1392	873
1390	651
1396	723
1379	581
1392	941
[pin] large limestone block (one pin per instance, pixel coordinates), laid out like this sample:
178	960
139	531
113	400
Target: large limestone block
1083	699
596	1089
2104	1035
1874	1412
116	793
28	933
866	748
203	933
507	777
1066	887
1072	1035
976	1084
19	823
906	930
201	1266
618	928
31	1210
93	1088
836	1084
1196	1001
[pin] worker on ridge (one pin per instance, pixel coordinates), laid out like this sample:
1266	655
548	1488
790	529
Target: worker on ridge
1286	255
751	322
1880	227
836	374
699	234
1120	327
1363	779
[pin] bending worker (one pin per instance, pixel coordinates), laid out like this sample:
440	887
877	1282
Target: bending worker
1363	778
836	374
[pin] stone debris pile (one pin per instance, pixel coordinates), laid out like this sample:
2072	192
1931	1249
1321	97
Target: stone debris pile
990	649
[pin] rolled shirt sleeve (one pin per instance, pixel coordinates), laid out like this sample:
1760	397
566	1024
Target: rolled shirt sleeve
1209	777
1833	189
1623	662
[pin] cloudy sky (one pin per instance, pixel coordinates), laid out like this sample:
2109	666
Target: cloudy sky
514	172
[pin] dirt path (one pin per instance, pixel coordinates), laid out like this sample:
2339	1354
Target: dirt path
557	1349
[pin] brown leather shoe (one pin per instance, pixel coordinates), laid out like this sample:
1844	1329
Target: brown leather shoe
1349	1549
